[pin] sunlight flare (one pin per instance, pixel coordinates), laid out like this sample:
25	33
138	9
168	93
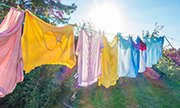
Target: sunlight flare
107	16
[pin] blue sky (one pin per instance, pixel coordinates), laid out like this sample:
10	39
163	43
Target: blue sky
130	16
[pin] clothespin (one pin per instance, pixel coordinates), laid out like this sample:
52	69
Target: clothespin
18	7
83	26
138	36
103	32
74	25
130	35
99	31
118	34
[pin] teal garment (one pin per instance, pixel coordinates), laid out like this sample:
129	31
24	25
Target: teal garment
161	46
124	56
156	50
128	63
150	51
135	58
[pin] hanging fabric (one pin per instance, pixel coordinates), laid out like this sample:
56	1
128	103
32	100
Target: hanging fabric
11	62
150	51
161	46
143	56
156	45
135	58
158	49
154	50
43	43
109	63
89	57
128	59
124	56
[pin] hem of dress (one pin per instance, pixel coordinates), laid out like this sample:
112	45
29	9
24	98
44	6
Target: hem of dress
109	85
85	84
2	91
62	63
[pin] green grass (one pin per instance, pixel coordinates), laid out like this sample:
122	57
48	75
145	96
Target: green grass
140	92
44	87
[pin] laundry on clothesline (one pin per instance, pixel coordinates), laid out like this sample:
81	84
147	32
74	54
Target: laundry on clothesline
109	62
43	43
89	49
46	44
11	62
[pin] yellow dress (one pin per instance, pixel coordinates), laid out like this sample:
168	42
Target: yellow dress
43	43
109	63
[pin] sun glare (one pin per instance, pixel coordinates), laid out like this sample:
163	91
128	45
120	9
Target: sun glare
106	16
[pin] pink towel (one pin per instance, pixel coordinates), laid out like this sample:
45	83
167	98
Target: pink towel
11	62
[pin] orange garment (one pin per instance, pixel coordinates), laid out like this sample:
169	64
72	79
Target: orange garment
43	43
109	63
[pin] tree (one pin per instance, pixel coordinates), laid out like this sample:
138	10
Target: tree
156	30
49	8
88	24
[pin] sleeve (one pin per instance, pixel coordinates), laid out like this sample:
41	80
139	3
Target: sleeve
79	44
101	43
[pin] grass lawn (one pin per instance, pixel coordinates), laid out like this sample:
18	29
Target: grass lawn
145	91
51	85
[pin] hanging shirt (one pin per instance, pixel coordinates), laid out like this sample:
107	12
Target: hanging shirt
46	44
11	63
143	56
135	58
124	56
89	57
156	50
109	63
128	57
150	51
161	46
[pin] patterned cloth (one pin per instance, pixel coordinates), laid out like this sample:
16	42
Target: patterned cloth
46	44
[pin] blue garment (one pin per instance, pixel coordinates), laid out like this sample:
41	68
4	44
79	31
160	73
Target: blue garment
161	46
156	50
135	58
128	63
124	56
150	51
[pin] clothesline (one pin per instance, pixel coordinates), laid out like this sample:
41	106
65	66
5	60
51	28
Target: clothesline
171	46
173	38
67	23
126	58
38	15
105	33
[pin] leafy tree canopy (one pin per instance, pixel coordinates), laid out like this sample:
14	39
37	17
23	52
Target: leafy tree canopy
49	8
156	30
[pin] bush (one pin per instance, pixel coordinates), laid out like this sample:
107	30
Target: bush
169	68
40	88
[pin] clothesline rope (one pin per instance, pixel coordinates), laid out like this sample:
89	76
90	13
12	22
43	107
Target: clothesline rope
171	46
105	33
173	38
38	15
